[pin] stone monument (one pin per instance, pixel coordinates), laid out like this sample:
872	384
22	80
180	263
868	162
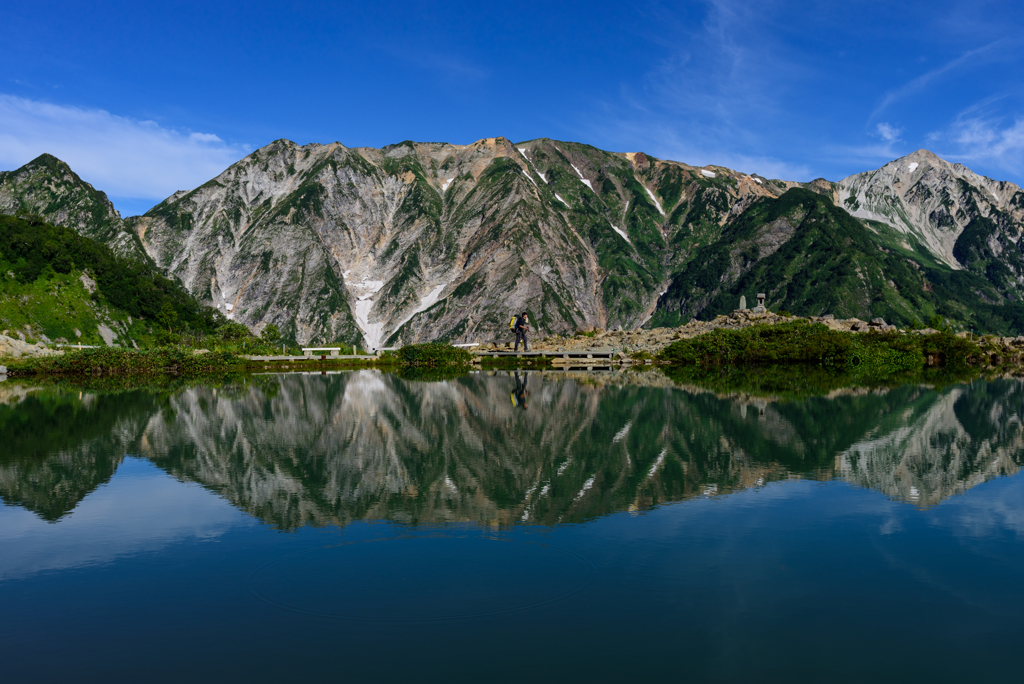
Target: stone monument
743	303
760	303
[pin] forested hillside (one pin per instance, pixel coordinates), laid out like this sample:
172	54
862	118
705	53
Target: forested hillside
61	285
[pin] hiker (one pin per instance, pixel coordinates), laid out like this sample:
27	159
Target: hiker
520	395
522	325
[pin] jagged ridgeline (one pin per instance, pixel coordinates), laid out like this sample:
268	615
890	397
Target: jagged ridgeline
57	283
424	241
421	241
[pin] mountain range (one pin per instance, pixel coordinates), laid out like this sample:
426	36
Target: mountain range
423	241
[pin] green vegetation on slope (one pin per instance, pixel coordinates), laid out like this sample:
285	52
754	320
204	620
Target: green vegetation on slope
42	285
812	258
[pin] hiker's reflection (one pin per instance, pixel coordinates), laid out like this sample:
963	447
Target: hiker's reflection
520	395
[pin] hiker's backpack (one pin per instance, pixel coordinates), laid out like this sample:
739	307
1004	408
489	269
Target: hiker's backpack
512	323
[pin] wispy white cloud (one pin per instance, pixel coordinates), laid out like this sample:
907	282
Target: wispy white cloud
872	154
888	132
921	82
121	156
674	146
140	510
988	142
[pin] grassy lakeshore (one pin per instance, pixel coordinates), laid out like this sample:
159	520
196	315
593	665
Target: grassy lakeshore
112	361
800	343
181	361
806	343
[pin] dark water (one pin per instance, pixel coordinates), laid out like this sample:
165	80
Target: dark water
362	528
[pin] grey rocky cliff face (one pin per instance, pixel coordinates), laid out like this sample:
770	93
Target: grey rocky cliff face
420	241
931	201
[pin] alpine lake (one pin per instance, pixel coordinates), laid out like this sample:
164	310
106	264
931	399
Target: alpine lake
510	527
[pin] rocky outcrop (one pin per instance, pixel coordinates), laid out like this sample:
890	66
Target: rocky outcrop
958	216
14	348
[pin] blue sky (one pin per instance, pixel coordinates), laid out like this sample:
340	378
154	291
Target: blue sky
143	99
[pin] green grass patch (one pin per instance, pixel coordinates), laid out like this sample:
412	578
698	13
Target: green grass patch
802	342
114	361
433	355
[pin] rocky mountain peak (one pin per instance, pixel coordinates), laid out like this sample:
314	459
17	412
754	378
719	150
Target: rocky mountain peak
930	202
48	187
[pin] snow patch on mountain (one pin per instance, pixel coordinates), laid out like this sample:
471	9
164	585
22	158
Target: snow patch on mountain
584	180
364	291
709	174
372	332
426	302
622	233
655	200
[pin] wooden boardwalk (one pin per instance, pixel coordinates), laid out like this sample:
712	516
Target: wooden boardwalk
550	354
306	359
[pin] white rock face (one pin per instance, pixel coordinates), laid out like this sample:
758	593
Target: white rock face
931	201
14	348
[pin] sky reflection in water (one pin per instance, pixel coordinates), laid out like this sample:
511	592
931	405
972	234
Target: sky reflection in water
365	527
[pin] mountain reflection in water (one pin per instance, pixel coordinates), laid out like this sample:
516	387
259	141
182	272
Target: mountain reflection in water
295	449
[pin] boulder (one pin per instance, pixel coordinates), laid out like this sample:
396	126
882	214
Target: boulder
879	322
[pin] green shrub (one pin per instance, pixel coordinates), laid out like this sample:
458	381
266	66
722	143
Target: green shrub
434	354
31	248
953	352
796	342
231	331
116	361
803	342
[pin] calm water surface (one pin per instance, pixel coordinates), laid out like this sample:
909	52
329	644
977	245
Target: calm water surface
359	527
